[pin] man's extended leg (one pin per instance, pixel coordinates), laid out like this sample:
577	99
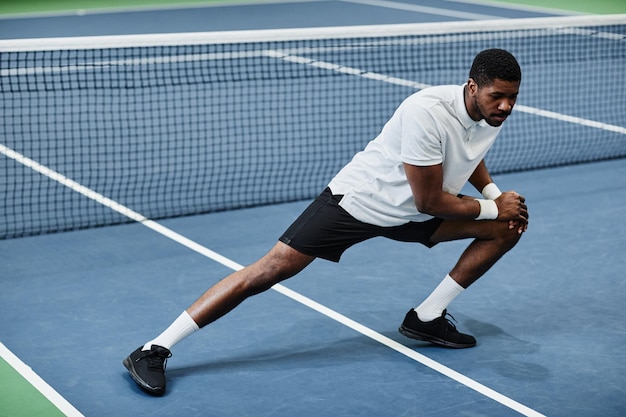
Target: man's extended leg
491	241
146	365
280	263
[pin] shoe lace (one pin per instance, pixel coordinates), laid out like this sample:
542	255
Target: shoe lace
450	320
158	359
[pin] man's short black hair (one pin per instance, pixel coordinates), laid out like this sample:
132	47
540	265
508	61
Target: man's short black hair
494	64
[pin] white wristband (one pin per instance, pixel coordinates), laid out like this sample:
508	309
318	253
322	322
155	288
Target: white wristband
488	210
491	191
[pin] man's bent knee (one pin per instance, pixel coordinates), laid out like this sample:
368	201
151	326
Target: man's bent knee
507	235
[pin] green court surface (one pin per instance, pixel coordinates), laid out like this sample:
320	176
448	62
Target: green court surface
40	6
594	7
19	397
43	6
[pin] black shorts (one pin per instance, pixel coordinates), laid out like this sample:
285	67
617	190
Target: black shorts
325	230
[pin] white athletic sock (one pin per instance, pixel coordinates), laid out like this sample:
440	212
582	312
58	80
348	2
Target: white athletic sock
182	327
438	300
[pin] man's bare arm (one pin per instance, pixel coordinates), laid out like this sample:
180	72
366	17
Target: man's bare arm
427	187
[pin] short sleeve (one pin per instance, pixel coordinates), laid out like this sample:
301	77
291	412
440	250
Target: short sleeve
421	142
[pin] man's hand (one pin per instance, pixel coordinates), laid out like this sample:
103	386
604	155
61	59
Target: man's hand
512	208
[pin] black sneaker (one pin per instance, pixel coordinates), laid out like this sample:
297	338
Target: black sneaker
440	331
147	368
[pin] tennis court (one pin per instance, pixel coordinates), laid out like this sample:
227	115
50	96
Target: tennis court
84	283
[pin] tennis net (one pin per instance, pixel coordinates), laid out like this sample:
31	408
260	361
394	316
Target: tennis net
174	125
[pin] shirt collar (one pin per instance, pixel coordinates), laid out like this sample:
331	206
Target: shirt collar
461	111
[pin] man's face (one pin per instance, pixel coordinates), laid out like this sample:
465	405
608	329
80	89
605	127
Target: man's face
492	102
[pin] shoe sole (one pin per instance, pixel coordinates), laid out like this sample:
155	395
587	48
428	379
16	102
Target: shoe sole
410	333
128	363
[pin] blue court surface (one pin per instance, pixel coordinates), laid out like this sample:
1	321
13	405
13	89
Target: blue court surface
259	15
547	317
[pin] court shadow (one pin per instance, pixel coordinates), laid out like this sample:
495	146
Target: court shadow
292	356
496	350
500	349
297	355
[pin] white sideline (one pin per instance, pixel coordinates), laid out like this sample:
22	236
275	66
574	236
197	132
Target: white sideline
169	233
36	381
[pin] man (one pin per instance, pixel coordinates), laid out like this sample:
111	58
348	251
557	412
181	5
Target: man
404	186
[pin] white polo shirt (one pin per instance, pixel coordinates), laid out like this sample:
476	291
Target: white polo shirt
430	127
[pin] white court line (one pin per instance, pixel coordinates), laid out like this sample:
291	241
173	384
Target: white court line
36	381
419	86
424	9
522	7
288	56
144	8
169	233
